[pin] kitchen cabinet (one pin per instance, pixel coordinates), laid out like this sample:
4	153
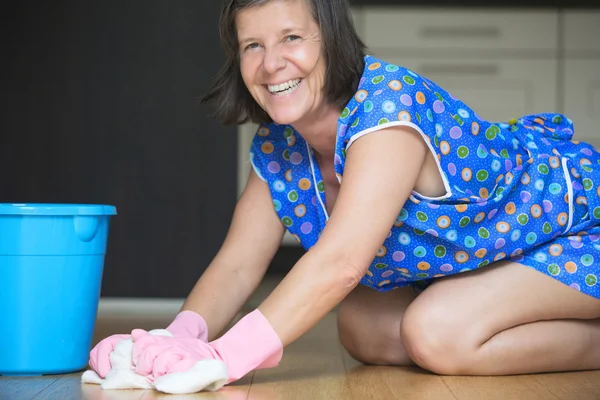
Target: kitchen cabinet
474	30
580	78
496	88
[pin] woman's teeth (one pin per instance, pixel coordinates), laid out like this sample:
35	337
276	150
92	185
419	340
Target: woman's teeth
284	88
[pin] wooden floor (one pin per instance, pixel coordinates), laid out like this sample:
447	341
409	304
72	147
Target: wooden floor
315	367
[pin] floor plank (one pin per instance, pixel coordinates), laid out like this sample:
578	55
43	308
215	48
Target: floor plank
311	368
236	391
24	387
66	387
519	387
229	393
371	382
572	385
95	392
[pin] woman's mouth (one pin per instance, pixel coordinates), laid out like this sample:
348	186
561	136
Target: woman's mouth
284	88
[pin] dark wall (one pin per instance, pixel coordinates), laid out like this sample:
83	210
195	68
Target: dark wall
99	105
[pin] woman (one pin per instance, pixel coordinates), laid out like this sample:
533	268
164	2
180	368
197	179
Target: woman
485	231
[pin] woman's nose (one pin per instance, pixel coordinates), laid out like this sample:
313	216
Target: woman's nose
273	61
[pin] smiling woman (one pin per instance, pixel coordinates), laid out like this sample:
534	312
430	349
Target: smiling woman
312	32
449	241
281	62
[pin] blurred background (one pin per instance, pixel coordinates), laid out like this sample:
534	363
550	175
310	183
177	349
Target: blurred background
100	105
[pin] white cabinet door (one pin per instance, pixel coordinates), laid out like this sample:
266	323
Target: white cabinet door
358	19
582	98
497	89
581	32
457	28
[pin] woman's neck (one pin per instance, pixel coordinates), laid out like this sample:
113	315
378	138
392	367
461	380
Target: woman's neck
319	130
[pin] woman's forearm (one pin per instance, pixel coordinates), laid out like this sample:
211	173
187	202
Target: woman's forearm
316	284
241	263
221	292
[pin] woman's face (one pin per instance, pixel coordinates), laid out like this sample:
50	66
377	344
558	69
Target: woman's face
280	59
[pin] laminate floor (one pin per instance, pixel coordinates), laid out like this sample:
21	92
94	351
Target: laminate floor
314	367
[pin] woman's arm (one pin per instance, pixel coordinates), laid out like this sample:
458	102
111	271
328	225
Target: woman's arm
381	170
238	268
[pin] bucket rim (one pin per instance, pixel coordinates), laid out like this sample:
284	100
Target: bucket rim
56	209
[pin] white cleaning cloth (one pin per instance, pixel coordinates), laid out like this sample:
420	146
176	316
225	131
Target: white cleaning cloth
209	375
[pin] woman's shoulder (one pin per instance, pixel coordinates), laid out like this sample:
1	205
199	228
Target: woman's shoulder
373	63
277	146
391	93
378	71
275	134
383	83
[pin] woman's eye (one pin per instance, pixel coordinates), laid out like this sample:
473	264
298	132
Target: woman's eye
293	37
252	46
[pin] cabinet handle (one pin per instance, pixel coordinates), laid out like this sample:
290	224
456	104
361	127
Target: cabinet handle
458	69
452	32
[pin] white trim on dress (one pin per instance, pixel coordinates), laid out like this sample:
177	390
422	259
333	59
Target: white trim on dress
570	189
427	140
312	167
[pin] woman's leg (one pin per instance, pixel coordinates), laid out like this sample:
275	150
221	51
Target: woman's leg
503	319
369	325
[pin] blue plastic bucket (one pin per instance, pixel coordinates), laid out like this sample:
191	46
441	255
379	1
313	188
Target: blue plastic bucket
51	263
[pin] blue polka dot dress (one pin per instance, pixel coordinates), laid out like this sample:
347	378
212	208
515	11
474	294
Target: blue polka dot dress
518	190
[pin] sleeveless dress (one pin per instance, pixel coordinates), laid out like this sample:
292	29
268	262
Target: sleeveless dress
518	190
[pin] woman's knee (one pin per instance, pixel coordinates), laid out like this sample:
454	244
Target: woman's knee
435	342
368	344
368	333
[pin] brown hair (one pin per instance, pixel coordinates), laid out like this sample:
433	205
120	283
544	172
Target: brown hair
343	50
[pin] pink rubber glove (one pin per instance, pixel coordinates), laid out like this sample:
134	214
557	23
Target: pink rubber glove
250	344
186	324
99	356
189	324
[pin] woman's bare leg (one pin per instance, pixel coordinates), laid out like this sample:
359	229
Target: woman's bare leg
369	325
502	319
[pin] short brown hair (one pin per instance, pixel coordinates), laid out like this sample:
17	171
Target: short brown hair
343	50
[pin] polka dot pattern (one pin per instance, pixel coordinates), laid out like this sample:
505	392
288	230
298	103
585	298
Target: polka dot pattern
519	190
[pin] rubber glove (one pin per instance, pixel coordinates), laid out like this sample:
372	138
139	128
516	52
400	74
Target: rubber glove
189	324
186	324
250	344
